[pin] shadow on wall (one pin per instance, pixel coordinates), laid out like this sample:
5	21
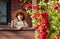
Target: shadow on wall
27	17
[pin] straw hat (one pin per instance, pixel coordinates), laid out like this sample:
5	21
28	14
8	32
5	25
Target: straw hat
13	15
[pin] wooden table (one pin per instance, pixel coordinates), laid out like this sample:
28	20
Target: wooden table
8	33
16	34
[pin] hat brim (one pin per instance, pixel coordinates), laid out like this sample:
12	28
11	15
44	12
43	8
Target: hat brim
13	15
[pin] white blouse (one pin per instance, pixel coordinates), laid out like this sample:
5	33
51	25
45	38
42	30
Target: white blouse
18	23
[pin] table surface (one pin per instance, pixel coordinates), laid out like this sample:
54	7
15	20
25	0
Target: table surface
16	34
8	33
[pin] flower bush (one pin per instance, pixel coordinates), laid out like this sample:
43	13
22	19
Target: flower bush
45	19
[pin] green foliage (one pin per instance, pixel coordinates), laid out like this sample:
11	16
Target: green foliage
36	35
34	22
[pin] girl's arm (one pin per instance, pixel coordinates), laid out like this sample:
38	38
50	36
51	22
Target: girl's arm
12	24
26	24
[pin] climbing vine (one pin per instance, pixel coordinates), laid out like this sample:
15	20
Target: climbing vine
45	19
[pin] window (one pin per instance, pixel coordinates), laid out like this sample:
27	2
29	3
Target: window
3	11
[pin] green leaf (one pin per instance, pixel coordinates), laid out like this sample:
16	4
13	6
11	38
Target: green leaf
36	35
34	22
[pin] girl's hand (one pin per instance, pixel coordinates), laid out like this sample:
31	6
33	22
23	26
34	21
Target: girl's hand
11	24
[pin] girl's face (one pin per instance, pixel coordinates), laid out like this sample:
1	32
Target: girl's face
20	17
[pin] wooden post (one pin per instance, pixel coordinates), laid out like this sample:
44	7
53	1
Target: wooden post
33	2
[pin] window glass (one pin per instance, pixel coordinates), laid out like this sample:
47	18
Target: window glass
3	13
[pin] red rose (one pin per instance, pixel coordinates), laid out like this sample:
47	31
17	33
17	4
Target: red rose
26	6
41	22
30	6
47	25
46	1
38	31
36	26
43	28
56	7
42	35
45	20
34	7
44	14
36	15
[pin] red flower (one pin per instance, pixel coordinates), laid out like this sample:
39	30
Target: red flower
47	25
44	14
43	28
36	15
42	35
43	21
38	31
26	6
56	37
56	7
34	7
30	6
46	1
36	26
43	24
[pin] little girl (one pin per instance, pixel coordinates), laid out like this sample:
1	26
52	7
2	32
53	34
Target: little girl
19	21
